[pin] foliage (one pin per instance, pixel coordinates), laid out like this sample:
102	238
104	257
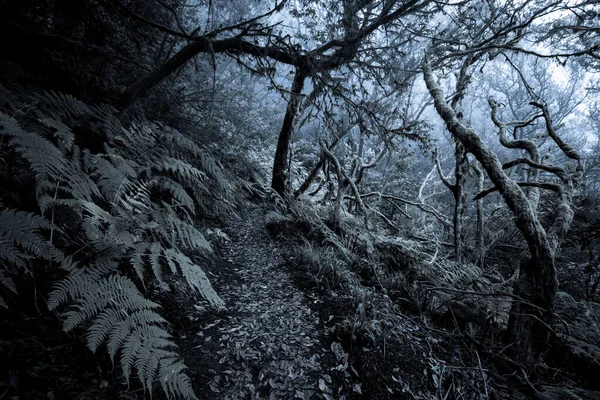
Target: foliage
117	219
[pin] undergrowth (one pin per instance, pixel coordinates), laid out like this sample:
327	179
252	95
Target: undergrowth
401	294
106	211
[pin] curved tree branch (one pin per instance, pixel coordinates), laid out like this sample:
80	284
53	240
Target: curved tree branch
558	171
540	185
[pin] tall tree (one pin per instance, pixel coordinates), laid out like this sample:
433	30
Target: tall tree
531	317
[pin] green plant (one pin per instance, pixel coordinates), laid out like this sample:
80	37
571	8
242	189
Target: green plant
118	216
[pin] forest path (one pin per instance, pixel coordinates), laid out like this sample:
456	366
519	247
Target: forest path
269	344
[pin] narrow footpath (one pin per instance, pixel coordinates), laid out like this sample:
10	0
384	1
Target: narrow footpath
269	343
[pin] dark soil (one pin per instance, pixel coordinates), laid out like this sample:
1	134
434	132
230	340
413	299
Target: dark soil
274	340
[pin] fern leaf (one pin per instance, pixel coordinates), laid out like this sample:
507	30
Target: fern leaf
181	170
63	106
137	260
180	143
174	382
195	277
10	252
129	353
187	235
81	186
113	172
178	193
47	202
62	132
117	337
111	125
116	290
136	198
102	326
71	287
154	258
149	337
104	265
45	159
21	228
110	318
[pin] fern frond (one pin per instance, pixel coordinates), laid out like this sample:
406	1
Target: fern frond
110	123
65	138
108	319
141	136
9	125
154	258
116	290
45	158
179	143
136	197
21	228
64	106
174	382
117	336
113	172
146	348
195	277
130	203
183	234
137	260
80	185
74	286
107	232
47	202
69	264
181	171
102	326
178	193
104	265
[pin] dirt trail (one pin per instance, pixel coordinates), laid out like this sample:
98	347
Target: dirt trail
269	344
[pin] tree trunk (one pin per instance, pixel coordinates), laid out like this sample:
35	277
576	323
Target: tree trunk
280	163
316	169
537	284
530	321
479	231
460	171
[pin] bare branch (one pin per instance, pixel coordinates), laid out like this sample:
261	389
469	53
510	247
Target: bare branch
568	150
423	207
315	171
343	180
373	164
558	171
444	179
542	185
529	145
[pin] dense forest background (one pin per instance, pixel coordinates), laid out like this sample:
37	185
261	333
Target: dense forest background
299	199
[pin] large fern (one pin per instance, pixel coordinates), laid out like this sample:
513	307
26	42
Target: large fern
126	321
132	211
